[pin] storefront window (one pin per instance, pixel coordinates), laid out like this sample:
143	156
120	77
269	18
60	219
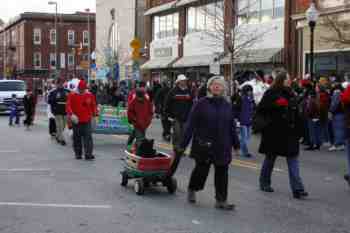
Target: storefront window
254	11
242	11
327	64
279	9
156	30
165	26
208	17
266	10
191	19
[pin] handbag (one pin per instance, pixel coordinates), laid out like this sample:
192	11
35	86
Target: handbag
260	122
202	149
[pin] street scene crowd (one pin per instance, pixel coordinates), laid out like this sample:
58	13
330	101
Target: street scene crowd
215	119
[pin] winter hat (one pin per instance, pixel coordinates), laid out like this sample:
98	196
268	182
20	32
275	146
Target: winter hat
180	78
218	79
82	85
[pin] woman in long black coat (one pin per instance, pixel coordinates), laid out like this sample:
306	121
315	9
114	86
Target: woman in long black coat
29	108
281	135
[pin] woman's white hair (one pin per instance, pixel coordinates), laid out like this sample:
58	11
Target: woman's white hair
218	79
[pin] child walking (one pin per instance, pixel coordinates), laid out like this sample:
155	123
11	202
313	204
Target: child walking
14	111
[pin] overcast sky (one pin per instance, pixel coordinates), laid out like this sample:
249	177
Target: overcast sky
11	8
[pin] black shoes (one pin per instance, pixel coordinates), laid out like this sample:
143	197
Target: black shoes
347	179
312	148
78	157
90	158
191	196
63	143
300	194
223	205
267	189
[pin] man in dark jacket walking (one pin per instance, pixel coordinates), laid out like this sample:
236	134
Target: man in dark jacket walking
178	105
159	104
57	100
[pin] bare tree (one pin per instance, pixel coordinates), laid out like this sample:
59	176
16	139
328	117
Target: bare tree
339	31
2	23
237	40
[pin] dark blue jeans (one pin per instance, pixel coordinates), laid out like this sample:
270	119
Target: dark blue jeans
295	180
348	154
338	124
14	115
315	132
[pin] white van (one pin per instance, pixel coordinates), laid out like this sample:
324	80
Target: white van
7	89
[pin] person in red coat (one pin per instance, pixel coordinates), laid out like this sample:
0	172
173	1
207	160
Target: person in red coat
81	109
140	114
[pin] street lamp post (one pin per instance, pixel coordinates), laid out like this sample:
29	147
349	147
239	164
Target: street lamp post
89	45
312	16
57	35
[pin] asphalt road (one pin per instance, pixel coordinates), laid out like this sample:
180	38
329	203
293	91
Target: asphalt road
44	190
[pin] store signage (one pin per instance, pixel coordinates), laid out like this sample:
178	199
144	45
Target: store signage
163	52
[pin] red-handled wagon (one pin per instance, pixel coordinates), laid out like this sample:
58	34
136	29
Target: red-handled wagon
148	171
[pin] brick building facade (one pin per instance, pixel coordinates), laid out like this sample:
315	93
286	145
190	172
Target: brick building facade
29	50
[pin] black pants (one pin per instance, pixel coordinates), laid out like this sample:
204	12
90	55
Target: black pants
82	134
166	125
199	177
52	126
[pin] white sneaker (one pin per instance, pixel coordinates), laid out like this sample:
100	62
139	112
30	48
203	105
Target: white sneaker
333	148
341	148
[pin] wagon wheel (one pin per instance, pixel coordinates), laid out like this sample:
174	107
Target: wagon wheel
172	185
139	187
125	179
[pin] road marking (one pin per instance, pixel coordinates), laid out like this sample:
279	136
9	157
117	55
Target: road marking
9	151
24	170
23	204
255	166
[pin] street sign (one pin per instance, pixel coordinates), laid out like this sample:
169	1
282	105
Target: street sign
135	44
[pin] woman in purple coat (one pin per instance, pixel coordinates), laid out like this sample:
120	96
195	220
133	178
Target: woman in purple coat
212	127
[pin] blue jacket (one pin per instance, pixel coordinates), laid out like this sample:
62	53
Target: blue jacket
212	119
246	110
14	105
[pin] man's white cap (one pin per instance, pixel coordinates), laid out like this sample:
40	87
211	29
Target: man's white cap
180	78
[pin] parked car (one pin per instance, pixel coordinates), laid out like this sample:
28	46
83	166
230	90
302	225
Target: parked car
7	89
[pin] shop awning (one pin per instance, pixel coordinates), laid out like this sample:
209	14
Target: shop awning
159	63
194	61
161	8
272	55
186	2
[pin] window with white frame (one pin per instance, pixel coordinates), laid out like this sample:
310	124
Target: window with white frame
37	60
165	26
209	17
14	37
53	36
37	36
71	59
86	38
256	11
71	37
53	59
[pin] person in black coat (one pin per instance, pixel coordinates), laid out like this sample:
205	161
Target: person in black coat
159	102
29	108
281	135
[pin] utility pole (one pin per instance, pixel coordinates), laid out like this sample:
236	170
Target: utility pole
89	45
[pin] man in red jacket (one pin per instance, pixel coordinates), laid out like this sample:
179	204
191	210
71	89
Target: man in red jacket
81	108
140	114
